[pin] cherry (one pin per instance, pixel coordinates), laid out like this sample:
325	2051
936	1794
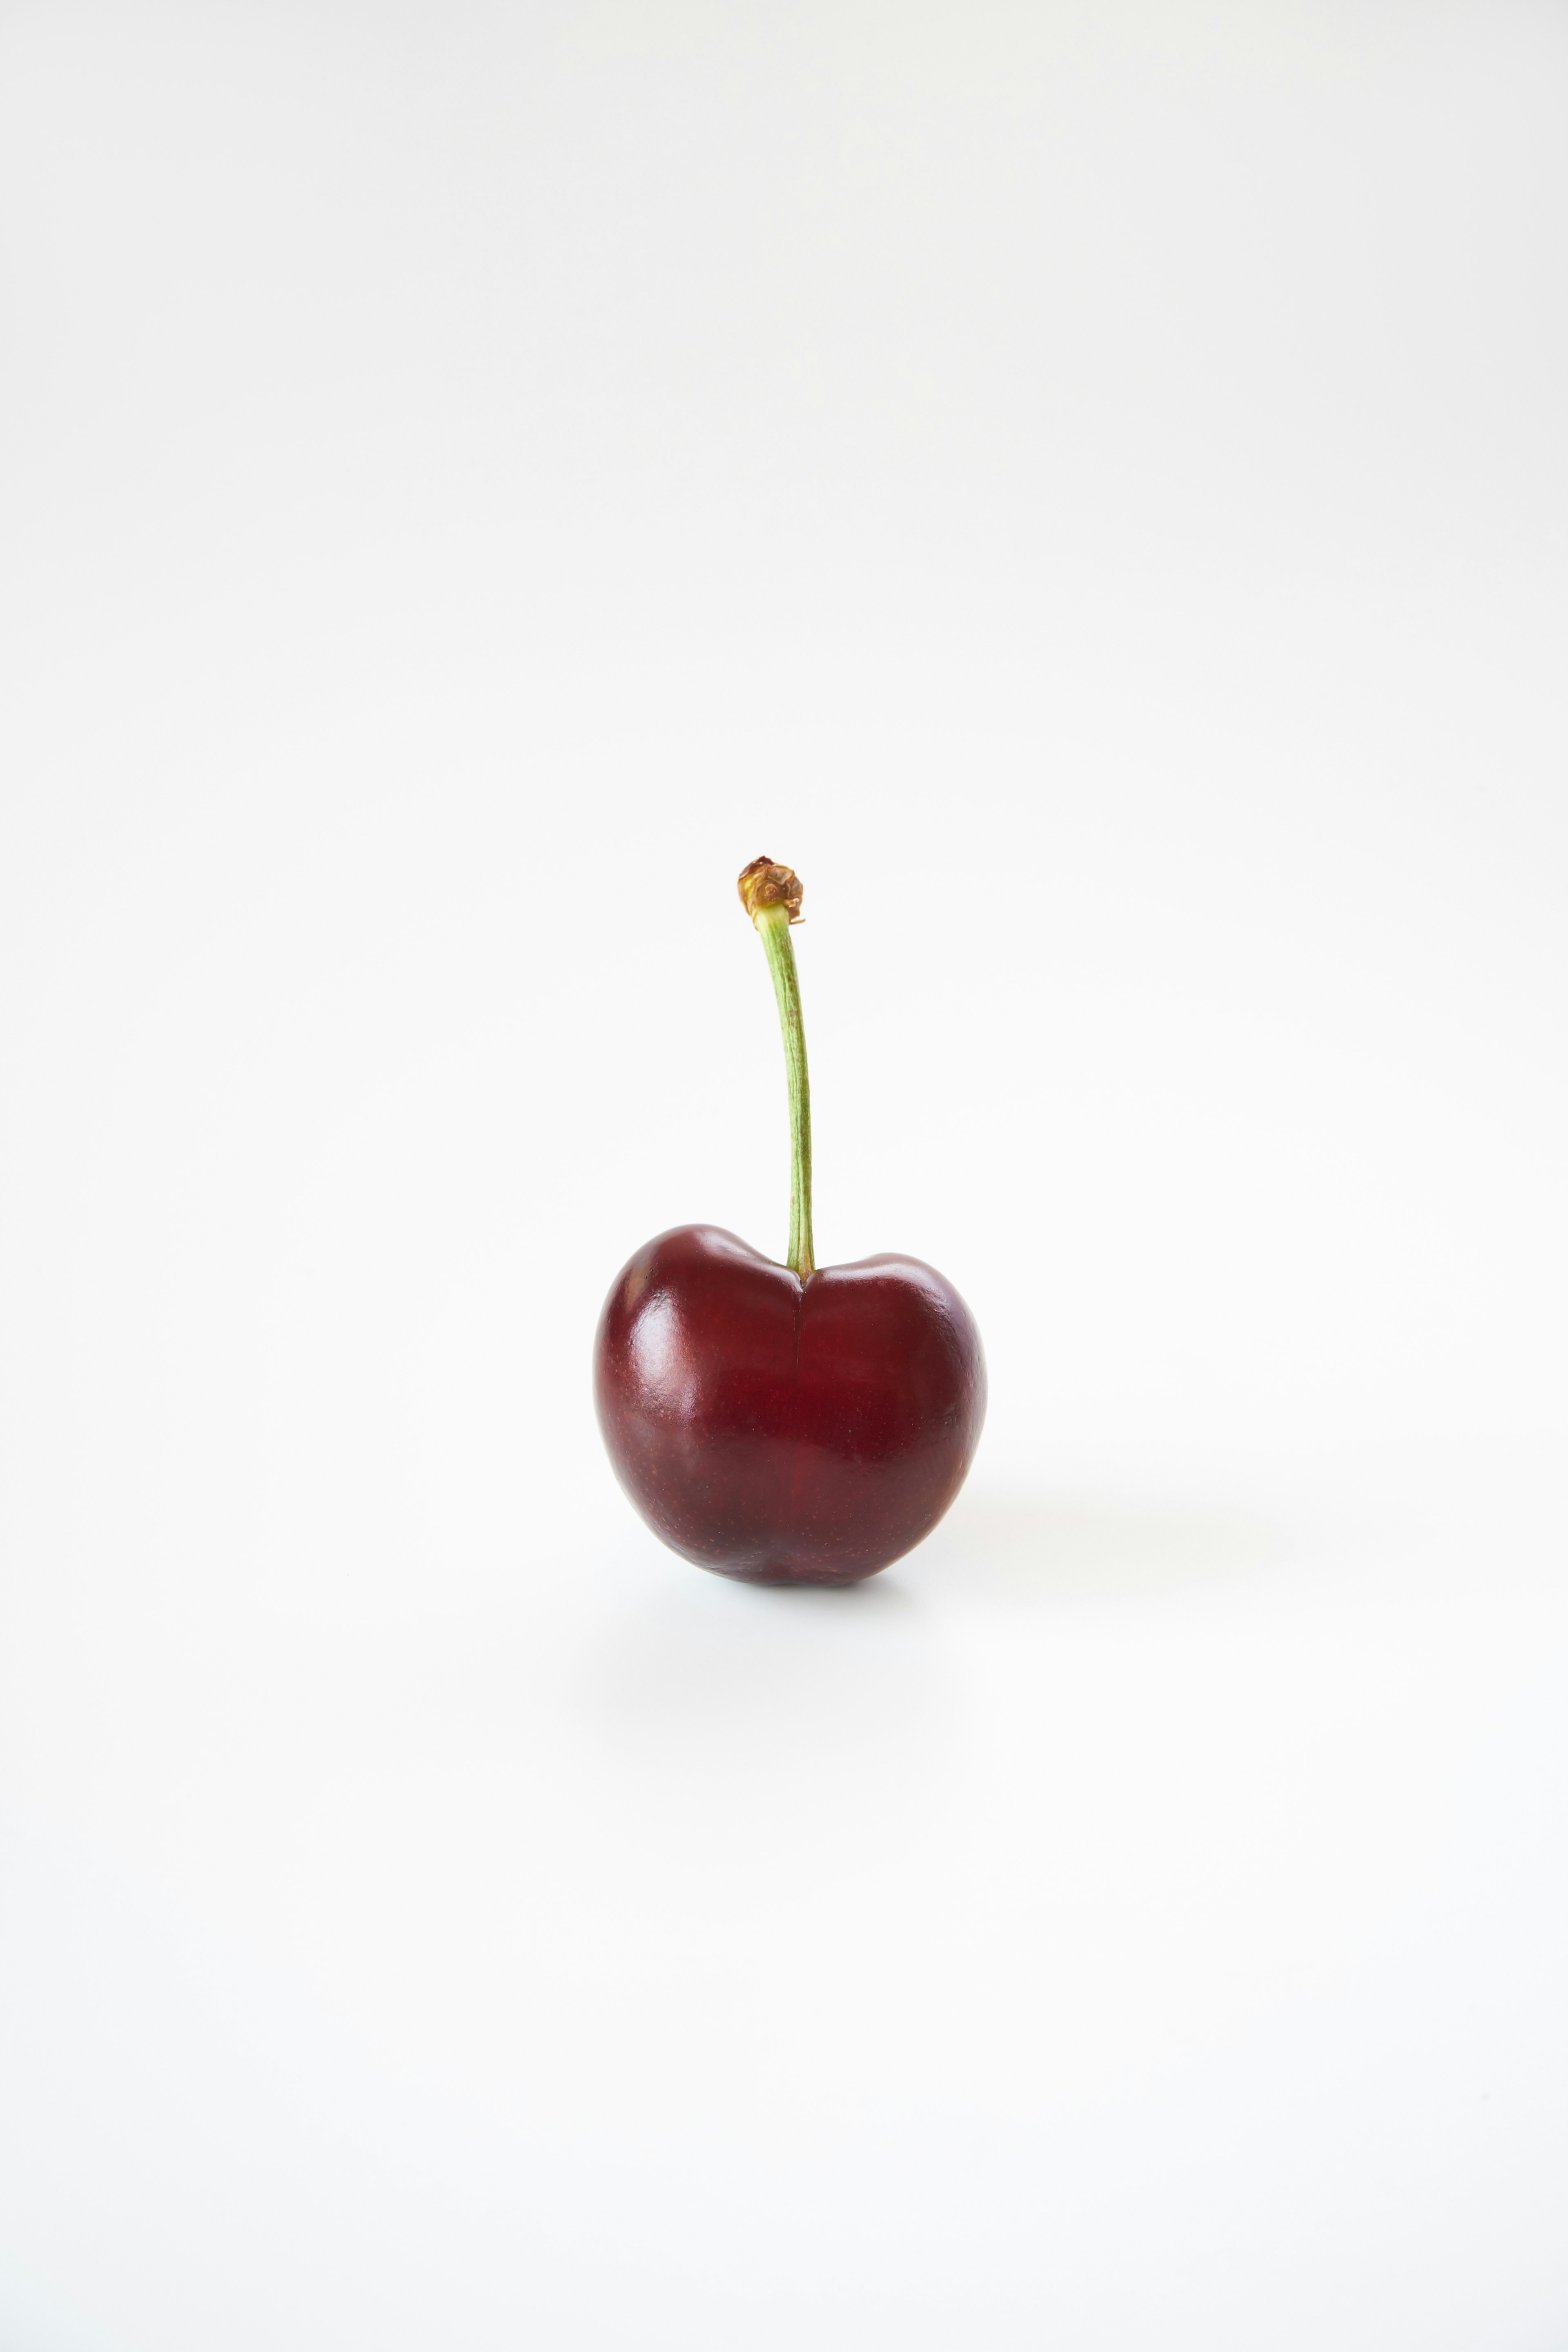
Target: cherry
787	1425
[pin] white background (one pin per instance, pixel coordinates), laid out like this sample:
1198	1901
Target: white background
1086	485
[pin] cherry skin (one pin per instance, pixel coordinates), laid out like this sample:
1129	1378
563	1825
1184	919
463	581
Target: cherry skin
780	1430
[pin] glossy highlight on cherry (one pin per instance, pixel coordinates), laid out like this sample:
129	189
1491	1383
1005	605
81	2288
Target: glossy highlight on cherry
787	1425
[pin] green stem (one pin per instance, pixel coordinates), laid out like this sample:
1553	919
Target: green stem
773	929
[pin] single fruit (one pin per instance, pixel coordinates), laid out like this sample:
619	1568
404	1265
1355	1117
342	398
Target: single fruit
787	1425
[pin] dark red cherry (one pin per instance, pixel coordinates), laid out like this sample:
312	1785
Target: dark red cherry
788	1424
782	1430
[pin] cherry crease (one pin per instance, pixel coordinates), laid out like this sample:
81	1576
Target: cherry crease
781	1430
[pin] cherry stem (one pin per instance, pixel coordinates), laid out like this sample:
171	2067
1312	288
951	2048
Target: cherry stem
773	929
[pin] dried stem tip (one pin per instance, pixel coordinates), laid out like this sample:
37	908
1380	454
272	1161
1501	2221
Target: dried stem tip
764	884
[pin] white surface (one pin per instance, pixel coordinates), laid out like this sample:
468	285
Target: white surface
1093	476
